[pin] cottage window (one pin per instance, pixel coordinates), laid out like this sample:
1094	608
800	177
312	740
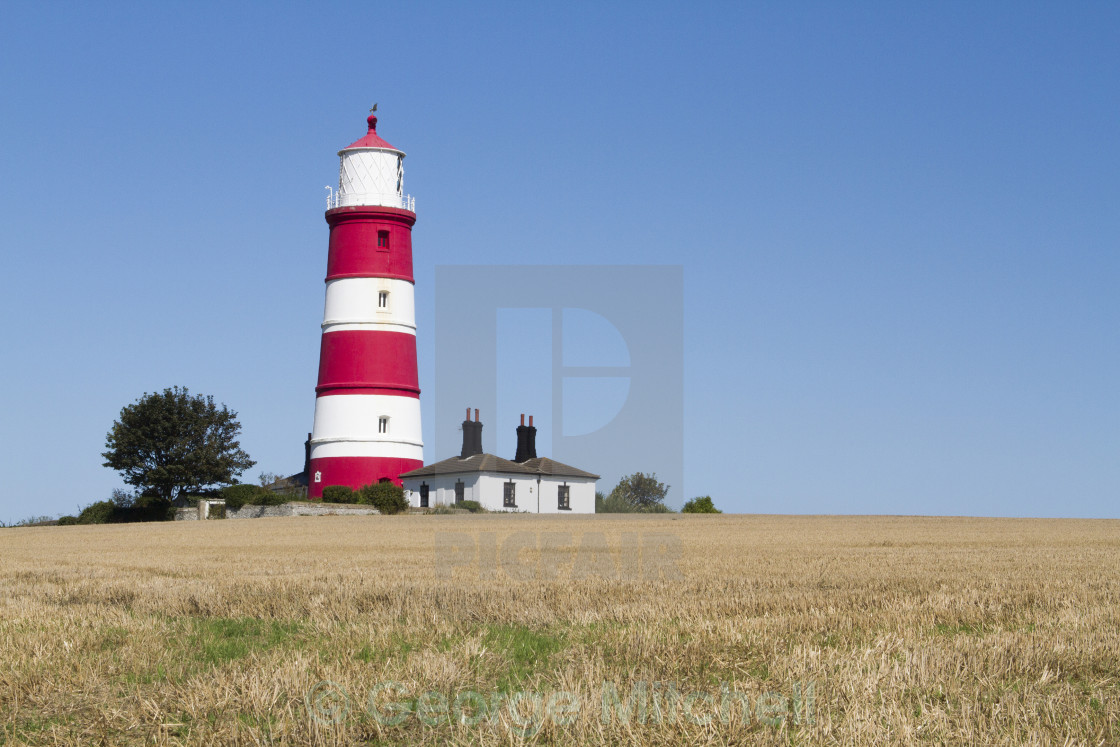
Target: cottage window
562	498
423	495
509	495
460	491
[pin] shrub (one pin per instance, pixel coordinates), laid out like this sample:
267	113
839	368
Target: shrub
338	494
268	498
238	495
654	508
146	508
473	506
67	520
244	494
700	505
618	504
141	508
100	512
33	521
385	497
613	504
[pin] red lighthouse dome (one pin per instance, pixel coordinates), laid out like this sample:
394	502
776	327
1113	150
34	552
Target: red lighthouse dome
367	406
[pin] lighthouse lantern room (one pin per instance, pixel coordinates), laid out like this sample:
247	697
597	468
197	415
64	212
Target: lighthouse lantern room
367	405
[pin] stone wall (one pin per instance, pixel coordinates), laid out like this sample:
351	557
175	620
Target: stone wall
286	509
330	509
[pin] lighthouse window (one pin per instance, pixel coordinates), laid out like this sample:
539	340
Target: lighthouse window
509	495
383	300
563	502
383	240
383	425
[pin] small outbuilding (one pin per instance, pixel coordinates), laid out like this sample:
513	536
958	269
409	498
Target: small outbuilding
527	483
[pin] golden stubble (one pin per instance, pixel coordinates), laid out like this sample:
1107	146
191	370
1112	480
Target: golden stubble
903	629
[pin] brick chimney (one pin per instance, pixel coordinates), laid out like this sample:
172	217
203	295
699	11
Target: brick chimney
526	441
472	436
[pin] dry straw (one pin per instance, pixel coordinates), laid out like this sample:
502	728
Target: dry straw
962	631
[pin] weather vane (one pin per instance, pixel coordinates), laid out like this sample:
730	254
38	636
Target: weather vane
371	111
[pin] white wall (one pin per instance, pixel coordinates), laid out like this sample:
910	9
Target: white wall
441	489
488	489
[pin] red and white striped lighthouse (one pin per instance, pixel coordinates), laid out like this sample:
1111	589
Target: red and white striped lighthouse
367	406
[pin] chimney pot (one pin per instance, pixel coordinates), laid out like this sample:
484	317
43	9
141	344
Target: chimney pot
476	414
530	421
522	418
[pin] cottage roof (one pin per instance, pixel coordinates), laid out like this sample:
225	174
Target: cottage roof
546	466
491	463
475	463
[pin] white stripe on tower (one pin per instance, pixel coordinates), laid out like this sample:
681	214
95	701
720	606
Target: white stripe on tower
370	303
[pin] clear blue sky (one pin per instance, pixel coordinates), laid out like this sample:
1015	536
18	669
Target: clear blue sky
898	224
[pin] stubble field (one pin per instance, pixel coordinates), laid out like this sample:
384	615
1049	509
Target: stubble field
574	630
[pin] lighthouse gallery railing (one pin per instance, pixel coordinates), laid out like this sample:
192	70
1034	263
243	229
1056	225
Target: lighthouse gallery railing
405	202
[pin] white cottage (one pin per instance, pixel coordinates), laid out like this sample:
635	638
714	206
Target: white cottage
527	484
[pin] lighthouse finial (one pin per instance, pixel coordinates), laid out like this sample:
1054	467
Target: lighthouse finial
371	120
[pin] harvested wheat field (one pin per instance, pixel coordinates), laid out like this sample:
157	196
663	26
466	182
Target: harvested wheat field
662	629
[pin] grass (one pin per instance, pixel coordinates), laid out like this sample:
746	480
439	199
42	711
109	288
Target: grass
839	630
216	641
525	654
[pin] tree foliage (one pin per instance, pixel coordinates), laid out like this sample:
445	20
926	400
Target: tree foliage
171	442
700	505
123	508
636	493
641	491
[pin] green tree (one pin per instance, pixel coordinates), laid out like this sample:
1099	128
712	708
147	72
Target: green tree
641	491
174	442
700	505
612	504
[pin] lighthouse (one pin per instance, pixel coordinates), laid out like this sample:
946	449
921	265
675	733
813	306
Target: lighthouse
367	401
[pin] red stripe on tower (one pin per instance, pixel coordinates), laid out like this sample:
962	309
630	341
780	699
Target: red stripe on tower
367	407
371	359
